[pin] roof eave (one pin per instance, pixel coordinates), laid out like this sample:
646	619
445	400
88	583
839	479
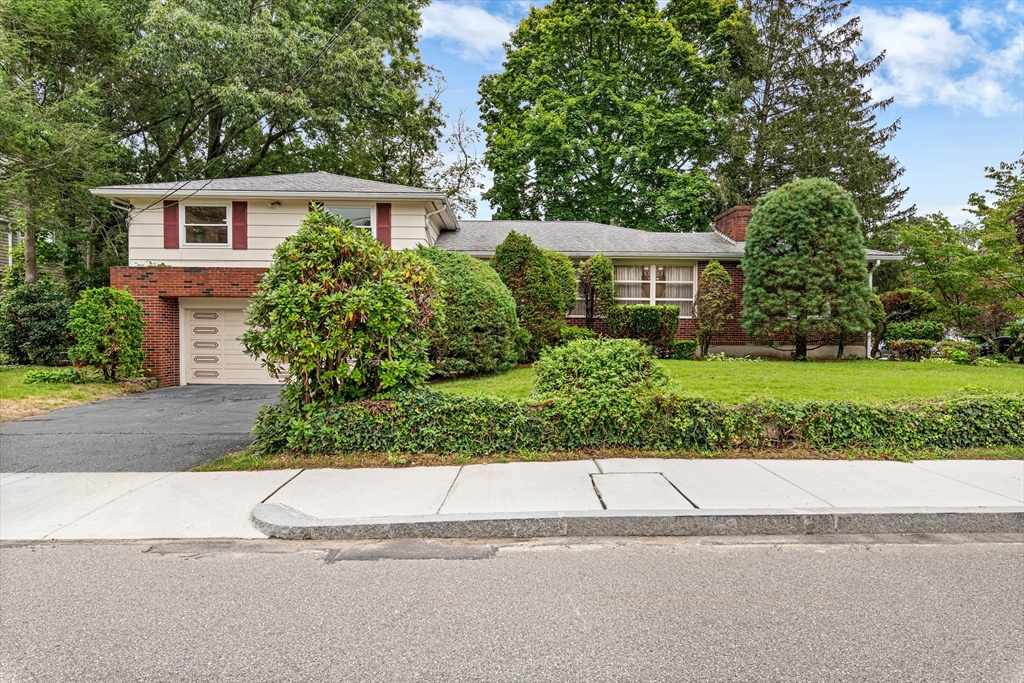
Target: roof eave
122	193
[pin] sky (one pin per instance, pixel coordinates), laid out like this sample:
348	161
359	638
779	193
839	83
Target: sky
955	69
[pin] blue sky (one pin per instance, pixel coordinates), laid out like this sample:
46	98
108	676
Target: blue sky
956	70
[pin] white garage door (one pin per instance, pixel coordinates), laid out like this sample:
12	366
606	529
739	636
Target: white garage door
212	353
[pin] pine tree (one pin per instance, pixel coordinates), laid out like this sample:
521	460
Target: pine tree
811	116
804	268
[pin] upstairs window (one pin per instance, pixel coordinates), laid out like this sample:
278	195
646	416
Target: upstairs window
206	224
361	217
655	284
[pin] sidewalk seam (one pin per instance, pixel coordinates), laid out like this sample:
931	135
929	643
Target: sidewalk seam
810	493
449	491
290	480
965	483
679	491
74	521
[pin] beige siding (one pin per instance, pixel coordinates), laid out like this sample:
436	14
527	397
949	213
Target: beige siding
268	226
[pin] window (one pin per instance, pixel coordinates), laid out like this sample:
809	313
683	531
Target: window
360	217
206	224
657	284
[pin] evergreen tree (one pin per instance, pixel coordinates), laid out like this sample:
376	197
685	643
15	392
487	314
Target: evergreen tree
810	114
804	268
714	304
597	287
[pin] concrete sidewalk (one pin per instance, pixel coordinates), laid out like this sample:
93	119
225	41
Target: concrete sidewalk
615	496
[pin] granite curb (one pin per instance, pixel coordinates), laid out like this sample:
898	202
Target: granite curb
280	521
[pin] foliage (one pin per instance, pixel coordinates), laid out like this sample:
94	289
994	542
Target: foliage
107	325
433	422
478	331
714	304
912	350
961	353
928	330
608	111
565	276
571	333
526	271
1001	234
655	325
33	323
804	267
598	366
811	113
722	358
597	287
342	316
683	349
903	305
1015	330
54	376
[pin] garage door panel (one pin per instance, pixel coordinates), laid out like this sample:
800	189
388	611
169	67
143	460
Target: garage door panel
212	352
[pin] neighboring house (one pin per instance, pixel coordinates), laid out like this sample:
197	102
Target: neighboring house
198	249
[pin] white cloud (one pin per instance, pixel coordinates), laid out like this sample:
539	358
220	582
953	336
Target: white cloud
977	65
468	30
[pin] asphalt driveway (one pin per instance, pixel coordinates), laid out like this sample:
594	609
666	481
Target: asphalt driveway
157	431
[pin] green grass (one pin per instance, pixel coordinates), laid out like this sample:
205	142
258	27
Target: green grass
18	400
731	383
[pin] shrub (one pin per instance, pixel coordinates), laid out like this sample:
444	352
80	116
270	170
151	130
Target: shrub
683	349
656	325
565	276
961	353
603	366
54	376
527	273
714	304
911	350
571	333
341	315
722	358
929	330
477	333
434	422
597	287
33	324
107	324
904	305
803	265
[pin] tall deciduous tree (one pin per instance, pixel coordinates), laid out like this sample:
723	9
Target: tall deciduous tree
810	114
1001	235
804	268
606	111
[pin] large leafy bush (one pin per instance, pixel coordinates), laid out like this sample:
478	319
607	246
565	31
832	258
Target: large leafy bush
107	324
540	300
602	366
930	330
341	315
479	329
903	305
655	325
33	323
714	304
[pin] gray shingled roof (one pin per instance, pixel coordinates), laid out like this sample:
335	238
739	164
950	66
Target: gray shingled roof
300	183
586	238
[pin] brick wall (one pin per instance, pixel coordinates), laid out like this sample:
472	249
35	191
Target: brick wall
158	289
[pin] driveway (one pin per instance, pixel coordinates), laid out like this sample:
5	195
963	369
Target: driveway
157	431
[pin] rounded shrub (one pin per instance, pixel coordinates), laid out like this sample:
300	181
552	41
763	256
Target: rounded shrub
929	330
623	367
571	333
107	325
479	329
903	305
33	324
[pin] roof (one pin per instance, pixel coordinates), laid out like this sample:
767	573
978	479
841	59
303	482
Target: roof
305	184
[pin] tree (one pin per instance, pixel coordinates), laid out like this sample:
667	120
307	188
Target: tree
107	326
341	316
565	276
33	323
804	268
714	304
1001	235
904	305
479	331
810	114
597	287
605	111
526	271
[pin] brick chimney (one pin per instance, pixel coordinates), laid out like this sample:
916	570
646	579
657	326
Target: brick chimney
732	223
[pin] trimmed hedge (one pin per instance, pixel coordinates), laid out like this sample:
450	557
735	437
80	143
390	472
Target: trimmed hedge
434	422
655	325
928	330
683	349
571	333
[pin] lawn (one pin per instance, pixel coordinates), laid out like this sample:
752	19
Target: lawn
737	382
18	400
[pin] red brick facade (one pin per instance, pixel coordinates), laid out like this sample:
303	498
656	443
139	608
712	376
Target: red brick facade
733	223
158	289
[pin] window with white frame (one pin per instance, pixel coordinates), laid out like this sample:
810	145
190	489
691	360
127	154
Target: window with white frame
656	284
361	217
205	224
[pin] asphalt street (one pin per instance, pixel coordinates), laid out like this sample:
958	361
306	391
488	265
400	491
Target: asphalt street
768	609
165	430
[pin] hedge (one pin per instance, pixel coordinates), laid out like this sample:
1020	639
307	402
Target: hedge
434	422
683	349
655	325
928	330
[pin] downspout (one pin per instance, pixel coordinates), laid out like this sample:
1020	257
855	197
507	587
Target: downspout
871	287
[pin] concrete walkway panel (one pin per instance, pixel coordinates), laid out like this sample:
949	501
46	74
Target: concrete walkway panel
368	492
524	487
11	477
638	491
722	484
867	484
36	505
1005	477
183	505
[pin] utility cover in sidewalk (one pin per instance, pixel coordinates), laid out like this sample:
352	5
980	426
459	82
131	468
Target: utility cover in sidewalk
639	491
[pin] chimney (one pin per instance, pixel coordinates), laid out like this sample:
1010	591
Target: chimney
732	224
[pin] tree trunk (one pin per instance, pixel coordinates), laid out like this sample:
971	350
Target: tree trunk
705	344
800	347
842	346
29	250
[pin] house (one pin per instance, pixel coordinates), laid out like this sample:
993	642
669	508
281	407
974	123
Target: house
198	249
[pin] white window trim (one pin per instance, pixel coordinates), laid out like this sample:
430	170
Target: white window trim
652	300
183	243
373	213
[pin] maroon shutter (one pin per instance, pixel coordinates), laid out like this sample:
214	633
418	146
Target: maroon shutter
239	225
170	224
384	224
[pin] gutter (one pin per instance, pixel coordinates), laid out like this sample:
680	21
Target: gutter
113	193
